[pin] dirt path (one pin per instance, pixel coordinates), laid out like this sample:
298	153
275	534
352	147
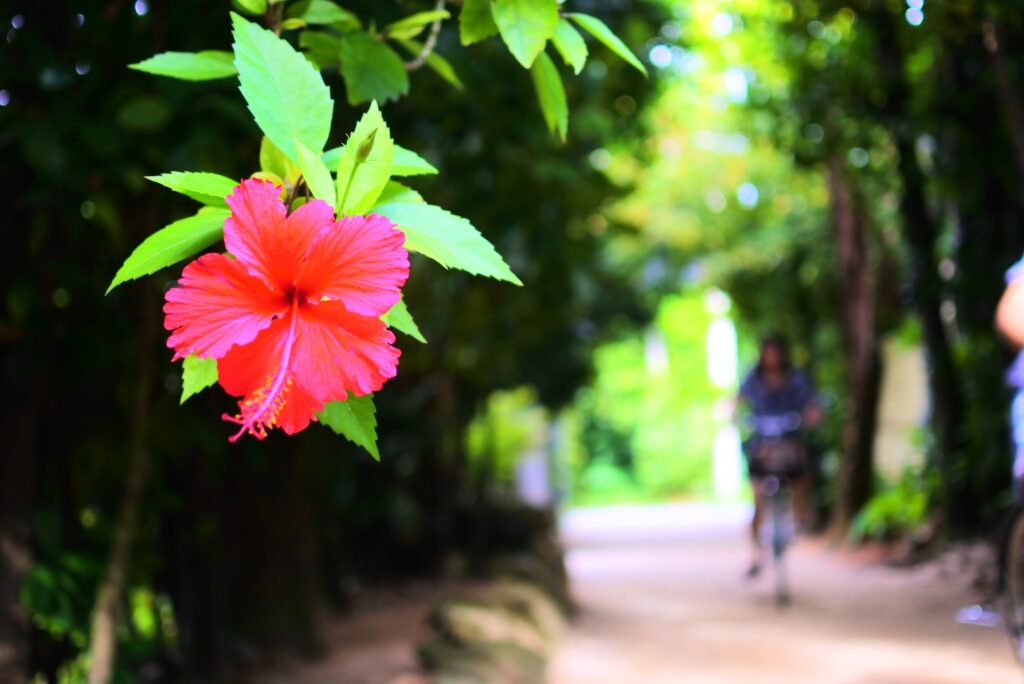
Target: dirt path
662	600
375	644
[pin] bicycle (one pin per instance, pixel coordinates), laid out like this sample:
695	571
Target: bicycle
1006	609
1013	581
778	455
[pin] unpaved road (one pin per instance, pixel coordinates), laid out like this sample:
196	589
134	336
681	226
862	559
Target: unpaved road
663	601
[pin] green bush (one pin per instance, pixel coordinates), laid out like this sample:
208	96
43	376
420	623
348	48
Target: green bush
898	510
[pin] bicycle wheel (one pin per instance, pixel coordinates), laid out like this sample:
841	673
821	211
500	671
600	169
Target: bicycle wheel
781	536
1014	569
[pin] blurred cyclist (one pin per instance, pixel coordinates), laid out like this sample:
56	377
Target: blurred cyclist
775	388
1010	322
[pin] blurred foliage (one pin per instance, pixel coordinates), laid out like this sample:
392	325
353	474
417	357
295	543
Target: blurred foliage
716	182
509	425
247	542
757	96
899	509
648	418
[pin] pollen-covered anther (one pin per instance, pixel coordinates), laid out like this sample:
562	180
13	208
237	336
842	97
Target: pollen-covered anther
260	410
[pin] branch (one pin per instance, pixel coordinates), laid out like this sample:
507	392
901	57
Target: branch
274	17
1013	110
430	44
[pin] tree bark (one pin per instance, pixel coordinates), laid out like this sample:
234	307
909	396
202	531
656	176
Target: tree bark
920	234
983	167
1013	110
275	592
17	487
107	610
860	340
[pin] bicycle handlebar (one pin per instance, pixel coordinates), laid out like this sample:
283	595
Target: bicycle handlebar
777	425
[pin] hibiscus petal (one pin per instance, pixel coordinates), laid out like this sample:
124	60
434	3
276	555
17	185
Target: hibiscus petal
298	410
263	237
338	352
359	261
244	370
304	359
270	396
293	410
217	304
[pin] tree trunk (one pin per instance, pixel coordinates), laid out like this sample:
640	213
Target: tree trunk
276	598
860	341
920	233
106	612
983	166
1013	110
17	487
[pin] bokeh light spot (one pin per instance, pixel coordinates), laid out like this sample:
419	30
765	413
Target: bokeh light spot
747	194
715	200
61	298
814	132
859	157
660	56
600	159
721	24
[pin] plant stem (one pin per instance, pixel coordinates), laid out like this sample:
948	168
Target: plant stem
348	186
428	47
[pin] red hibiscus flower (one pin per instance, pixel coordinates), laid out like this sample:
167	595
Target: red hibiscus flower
292	315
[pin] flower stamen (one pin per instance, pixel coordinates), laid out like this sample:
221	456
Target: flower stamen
259	411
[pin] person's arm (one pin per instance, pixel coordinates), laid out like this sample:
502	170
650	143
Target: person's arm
812	413
742	400
1010	312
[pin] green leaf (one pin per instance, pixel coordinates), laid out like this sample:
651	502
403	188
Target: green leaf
371	69
365	164
403	162
207	65
208	188
408	163
355	420
292	24
171	244
525	26
600	30
285	93
399	318
551	95
450	240
476	22
322	12
273	160
412	25
196	375
318	177
321	47
253	6
570	45
438	64
396	192
332	156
